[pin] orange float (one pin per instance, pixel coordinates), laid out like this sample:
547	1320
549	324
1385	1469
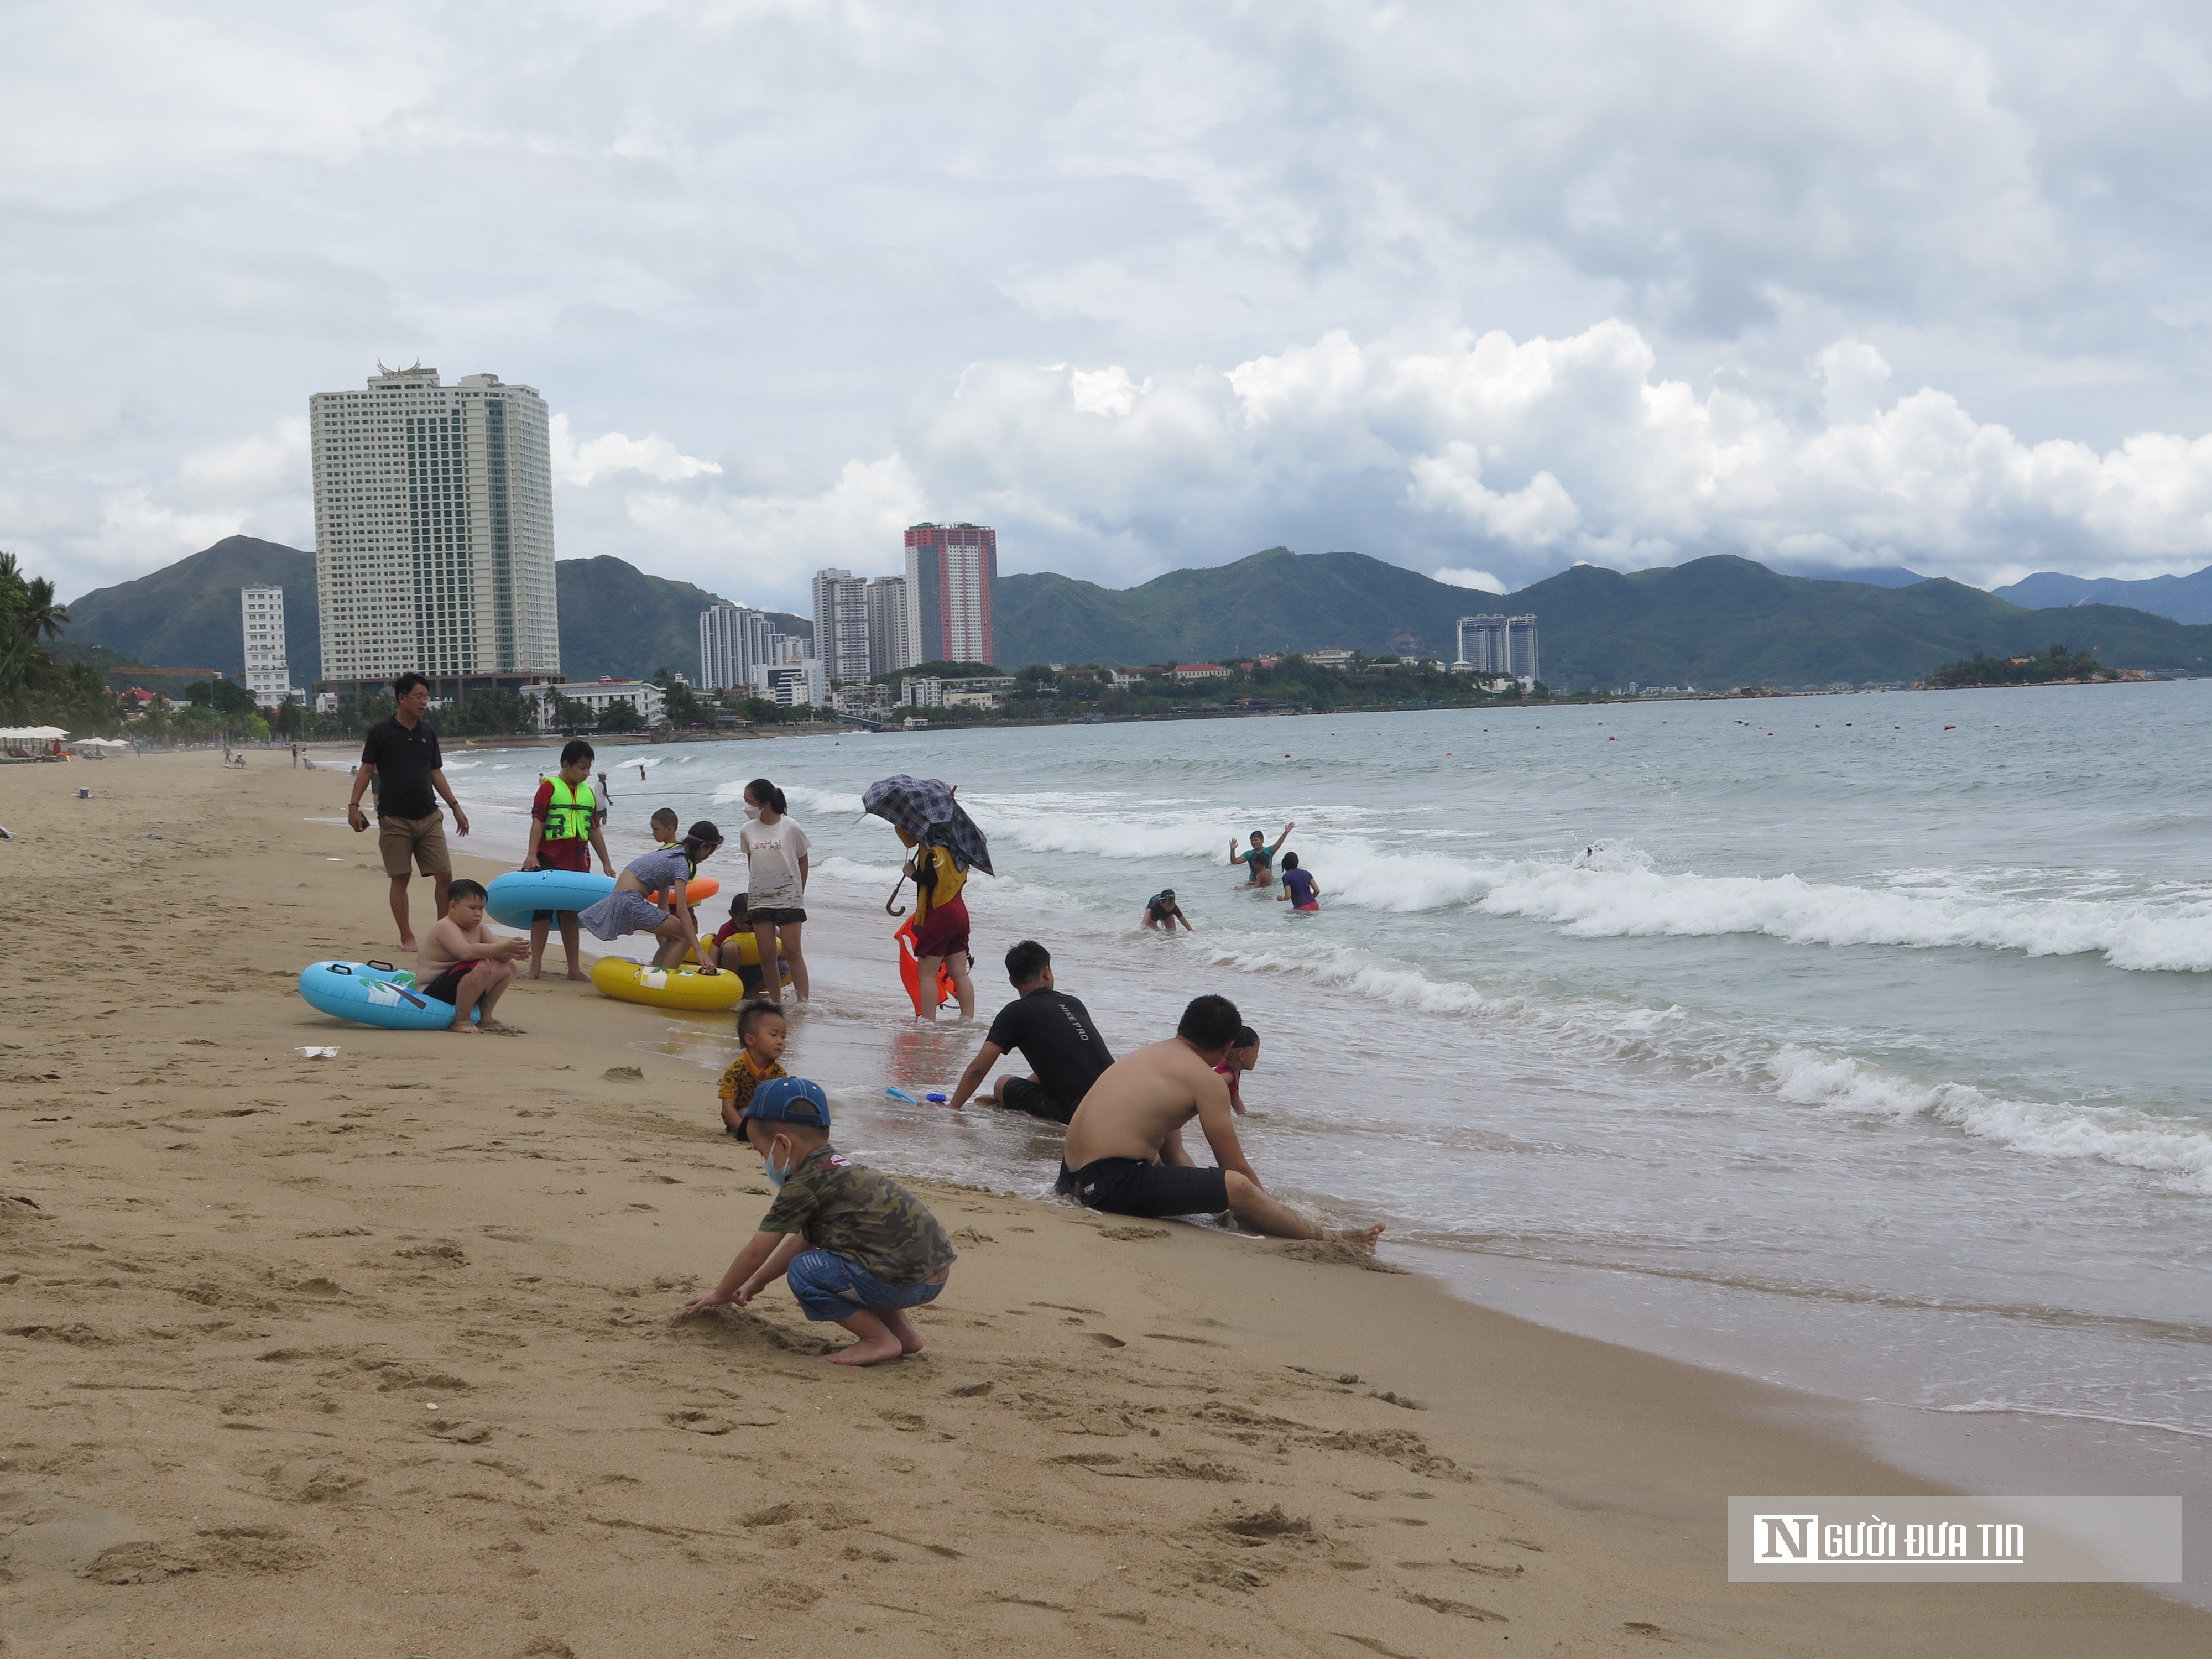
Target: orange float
910	970
697	891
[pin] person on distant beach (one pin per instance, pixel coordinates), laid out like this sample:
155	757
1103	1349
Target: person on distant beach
1125	1153
855	1246
761	1031
400	759
940	923
1242	1057
775	853
564	833
729	945
465	964
1299	888
1161	910
667	871
1053	1032
1259	856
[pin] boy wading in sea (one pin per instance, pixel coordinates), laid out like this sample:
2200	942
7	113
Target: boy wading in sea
1260	856
1125	1153
564	833
1161	910
1053	1032
856	1246
465	964
763	1030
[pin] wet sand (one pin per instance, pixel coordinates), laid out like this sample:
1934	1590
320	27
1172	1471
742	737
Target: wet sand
374	1355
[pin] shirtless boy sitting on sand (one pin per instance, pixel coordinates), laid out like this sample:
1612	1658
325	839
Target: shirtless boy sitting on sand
1125	1153
466	963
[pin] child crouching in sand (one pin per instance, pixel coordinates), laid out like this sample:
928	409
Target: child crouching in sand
467	964
855	1246
762	1032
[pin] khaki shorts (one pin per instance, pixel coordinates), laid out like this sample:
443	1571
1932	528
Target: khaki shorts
422	839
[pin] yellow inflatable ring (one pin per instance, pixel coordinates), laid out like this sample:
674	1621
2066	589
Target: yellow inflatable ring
685	989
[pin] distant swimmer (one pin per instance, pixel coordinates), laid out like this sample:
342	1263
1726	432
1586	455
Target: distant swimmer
1161	910
1124	1150
1299	887
1259	856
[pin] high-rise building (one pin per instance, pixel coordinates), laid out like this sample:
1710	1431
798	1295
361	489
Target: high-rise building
268	672
733	641
950	569
434	533
889	639
1498	645
840	624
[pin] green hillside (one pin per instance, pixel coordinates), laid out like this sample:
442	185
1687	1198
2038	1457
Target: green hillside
1712	623
614	619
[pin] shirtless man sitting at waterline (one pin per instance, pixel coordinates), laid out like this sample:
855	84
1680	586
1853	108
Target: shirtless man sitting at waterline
1125	1153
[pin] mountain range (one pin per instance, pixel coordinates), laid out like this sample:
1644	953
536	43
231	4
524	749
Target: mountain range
1714	622
616	620
2185	599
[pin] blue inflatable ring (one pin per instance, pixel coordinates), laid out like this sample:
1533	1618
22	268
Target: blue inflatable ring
373	994
512	898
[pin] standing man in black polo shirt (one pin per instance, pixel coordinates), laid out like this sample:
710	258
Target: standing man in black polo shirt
401	755
1054	1034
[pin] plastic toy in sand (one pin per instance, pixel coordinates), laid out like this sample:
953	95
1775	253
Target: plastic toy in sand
372	994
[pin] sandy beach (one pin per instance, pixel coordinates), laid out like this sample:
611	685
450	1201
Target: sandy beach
375	1354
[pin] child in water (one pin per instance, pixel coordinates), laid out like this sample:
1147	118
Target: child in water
1242	1057
1299	887
762	1032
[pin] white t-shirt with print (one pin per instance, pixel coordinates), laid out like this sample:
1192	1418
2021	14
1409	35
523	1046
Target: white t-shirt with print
772	854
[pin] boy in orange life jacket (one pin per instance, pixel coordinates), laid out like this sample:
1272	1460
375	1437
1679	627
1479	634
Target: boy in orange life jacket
564	833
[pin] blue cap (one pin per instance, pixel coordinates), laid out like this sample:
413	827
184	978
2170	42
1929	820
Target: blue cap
789	1100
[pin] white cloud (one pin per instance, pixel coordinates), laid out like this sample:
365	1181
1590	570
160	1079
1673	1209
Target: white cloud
1480	581
575	463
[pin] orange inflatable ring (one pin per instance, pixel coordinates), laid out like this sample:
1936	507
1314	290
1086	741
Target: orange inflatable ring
910	970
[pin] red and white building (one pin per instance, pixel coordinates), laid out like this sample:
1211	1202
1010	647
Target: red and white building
950	570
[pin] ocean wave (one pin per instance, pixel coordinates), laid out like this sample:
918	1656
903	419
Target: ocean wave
2178	1152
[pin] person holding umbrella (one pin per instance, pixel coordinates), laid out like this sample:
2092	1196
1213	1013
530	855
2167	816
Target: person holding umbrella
946	845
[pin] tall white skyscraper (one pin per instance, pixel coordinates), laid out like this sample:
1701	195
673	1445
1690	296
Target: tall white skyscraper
733	643
840	624
1498	645
268	672
434	532
889	642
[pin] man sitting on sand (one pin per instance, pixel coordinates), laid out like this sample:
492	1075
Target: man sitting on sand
466	964
856	1246
1054	1033
1125	1153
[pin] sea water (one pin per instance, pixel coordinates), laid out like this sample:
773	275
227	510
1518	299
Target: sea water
1856	1042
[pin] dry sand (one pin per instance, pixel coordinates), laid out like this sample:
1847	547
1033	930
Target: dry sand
375	1355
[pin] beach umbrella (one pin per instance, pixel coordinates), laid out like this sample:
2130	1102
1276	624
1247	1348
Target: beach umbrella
925	809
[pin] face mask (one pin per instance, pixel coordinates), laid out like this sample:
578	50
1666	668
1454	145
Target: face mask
753	812
776	1177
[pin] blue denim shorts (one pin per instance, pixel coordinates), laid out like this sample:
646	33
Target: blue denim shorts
831	1287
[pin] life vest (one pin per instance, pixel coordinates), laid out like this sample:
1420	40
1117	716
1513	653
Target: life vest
569	818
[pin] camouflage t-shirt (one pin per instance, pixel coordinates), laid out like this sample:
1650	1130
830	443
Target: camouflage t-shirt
851	1211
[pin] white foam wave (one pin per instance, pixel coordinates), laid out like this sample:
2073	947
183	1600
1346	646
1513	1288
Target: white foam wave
2179	1152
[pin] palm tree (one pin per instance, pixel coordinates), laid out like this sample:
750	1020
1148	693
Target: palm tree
32	614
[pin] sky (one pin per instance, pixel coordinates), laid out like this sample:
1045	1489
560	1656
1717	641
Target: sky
1481	290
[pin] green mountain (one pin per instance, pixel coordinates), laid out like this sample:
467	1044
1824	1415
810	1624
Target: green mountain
1712	623
614	619
186	615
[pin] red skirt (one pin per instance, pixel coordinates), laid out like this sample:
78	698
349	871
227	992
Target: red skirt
944	931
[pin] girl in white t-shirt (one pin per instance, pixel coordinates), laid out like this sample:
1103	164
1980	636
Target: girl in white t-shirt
775	851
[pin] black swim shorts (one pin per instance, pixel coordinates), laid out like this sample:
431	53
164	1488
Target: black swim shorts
1019	1094
1130	1186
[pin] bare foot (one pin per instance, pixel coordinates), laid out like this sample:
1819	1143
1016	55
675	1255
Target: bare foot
529	973
500	1028
910	1340
407	944
1363	1236
462	1028
872	1352
580	978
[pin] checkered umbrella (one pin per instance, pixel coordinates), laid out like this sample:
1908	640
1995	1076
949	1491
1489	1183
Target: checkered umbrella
926	810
